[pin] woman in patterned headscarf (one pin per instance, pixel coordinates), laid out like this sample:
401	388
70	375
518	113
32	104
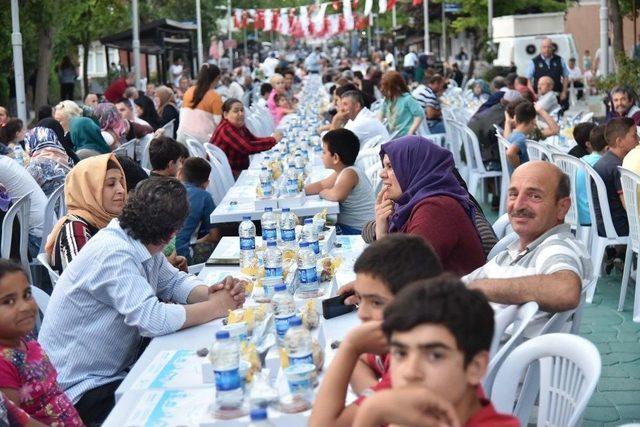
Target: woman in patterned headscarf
49	162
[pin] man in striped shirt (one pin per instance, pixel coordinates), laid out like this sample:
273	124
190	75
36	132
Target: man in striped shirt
427	97
546	263
121	288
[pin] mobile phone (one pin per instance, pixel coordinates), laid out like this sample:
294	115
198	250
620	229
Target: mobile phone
334	307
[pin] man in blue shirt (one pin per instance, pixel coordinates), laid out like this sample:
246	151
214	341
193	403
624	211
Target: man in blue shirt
121	288
195	177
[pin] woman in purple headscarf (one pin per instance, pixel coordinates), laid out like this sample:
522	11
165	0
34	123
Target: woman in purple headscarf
421	195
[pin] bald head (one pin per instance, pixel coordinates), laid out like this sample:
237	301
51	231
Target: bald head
545	85
549	172
546	48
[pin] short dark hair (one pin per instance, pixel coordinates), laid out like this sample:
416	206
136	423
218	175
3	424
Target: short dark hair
228	104
8	266
358	75
510	80
525	112
133	172
617	128
435	79
162	150
624	90
522	80
124	101
498	82
397	260
511	106
155	210
347	87
265	88
581	133
597	139
564	186
196	171
288	71
355	95
344	143
447	302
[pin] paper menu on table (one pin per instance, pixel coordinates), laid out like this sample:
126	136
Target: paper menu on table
172	369
168	408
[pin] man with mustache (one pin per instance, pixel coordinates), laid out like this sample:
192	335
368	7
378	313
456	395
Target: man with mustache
545	263
623	104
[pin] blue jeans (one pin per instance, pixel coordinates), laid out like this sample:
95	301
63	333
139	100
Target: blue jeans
347	230
437	127
34	245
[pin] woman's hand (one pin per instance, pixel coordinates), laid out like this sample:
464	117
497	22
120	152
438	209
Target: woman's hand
384	209
277	135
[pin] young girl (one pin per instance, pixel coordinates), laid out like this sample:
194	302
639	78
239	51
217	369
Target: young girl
27	377
11	133
283	107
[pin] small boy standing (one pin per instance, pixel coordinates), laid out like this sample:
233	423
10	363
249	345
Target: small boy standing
195	177
348	184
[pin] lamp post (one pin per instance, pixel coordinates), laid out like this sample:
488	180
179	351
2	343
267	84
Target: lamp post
199	32
18	70
604	38
425	9
136	41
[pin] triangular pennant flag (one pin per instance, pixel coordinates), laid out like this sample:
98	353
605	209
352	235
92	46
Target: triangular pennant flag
347	15
268	20
368	5
382	4
391	3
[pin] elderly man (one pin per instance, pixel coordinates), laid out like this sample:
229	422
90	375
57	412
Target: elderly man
546	263
623	105
547	99
547	63
116	90
121	288
361	120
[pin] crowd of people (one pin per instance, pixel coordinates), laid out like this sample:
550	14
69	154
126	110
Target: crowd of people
423	285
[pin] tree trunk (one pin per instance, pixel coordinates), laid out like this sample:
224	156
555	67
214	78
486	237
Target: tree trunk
45	54
616	26
86	45
475	53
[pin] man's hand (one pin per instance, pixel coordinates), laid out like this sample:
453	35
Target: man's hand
180	263
413	406
234	286
384	209
367	338
349	287
158	132
563	95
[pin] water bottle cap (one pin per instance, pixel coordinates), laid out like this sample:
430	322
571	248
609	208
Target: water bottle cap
286	209
295	321
222	335
280	287
268	209
246	217
271	243
264	168
258	414
308	221
304	244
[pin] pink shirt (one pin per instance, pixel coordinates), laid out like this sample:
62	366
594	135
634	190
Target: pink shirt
31	373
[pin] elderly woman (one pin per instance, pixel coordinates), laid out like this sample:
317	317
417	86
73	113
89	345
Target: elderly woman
402	112
167	110
86	138
49	163
201	106
112	126
421	195
63	113
95	193
233	137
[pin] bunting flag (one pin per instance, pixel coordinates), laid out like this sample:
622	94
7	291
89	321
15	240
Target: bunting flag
268	20
416	2
258	22
304	20
390	4
347	15
382	5
283	26
237	18
368	5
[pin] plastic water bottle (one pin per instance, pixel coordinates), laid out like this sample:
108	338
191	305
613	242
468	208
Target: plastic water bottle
284	308
247	233
310	235
298	343
291	184
273	260
266	183
269	224
288	227
307	271
259	418
225	357
18	154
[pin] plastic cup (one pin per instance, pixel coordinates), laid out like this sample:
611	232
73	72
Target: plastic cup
237	330
300	378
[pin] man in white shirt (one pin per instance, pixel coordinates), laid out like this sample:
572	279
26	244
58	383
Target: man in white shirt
176	71
547	99
18	182
409	65
575	76
361	121
269	65
390	60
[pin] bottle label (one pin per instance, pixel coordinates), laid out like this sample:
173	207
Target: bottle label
247	243
308	276
288	235
300	384
273	272
227	380
315	246
268	234
267	189
282	325
292	186
307	358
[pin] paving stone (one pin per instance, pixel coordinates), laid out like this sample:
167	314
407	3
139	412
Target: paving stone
631	412
618	371
623	397
613	384
625	347
602	414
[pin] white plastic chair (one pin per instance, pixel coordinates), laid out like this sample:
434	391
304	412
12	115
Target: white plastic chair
43	258
570	367
611	238
169	128
502	226
142	151
523	316
42	301
54	210
453	143
630	185
196	149
368	158
505	177
502	245
476	170
19	209
127	149
570	165
216	152
538	151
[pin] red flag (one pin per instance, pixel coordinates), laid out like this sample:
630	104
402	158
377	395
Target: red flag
276	19
342	25
245	19
391	3
336	5
258	23
355	4
416	2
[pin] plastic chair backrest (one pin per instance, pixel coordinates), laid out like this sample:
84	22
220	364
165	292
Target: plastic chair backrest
196	149
368	158
570	367
603	202
630	182
523	317
454	140
42	301
143	146
503	145
54	210
570	165
503	318
373	142
471	147
43	258
19	209
226	173
169	128
503	244
215	187
538	151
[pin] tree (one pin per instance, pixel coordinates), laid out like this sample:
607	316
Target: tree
618	10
